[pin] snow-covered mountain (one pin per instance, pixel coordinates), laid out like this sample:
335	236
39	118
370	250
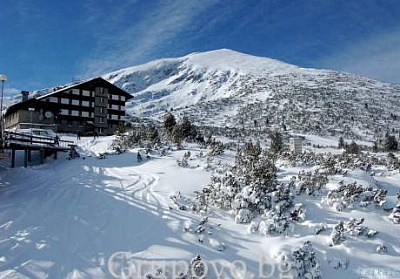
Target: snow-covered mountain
224	86
196	78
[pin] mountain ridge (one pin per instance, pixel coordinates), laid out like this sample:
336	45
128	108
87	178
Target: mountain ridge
235	89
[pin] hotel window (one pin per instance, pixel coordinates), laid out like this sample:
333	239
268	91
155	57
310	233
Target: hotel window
64	112
75	102
85	104
86	93
122	98
85	114
64	101
53	99
75	113
75	91
102	120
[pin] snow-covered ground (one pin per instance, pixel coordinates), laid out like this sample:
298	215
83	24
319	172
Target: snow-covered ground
104	218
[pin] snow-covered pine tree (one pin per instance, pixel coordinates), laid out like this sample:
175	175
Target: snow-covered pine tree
244	186
304	263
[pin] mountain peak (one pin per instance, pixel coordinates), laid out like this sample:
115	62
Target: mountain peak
228	59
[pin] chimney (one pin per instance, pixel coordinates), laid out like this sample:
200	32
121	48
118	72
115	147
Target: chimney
25	95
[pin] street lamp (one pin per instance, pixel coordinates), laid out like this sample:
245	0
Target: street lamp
3	78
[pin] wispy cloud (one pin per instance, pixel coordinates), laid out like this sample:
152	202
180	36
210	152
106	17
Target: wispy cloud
377	56
145	35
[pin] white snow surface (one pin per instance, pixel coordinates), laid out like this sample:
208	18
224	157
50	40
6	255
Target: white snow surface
83	218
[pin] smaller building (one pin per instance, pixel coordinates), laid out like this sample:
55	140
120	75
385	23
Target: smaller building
296	145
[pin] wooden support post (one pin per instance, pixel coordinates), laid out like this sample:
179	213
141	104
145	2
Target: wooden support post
41	156
12	158
26	158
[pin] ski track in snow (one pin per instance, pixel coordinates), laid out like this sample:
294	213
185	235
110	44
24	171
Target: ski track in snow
57	221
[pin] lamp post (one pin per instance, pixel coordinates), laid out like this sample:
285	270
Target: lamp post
3	78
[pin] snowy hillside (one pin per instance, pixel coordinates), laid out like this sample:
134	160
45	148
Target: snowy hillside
172	83
198	77
227	88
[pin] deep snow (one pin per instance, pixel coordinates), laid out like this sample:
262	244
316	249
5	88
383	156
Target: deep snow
86	217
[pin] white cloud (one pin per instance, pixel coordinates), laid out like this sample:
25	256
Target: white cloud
377	57
143	38
10	94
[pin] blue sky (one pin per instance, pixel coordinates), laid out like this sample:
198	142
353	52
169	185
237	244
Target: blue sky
47	43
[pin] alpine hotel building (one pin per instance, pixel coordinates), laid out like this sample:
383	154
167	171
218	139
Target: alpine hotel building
92	106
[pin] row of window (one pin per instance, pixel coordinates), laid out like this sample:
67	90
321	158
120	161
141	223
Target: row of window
89	114
87	93
81	103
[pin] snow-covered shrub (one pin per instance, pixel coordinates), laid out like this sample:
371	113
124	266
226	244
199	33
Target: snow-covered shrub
298	213
253	226
139	136
349	195
304	263
250	190
338	164
310	182
395	215
217	148
197	268
184	161
245	185
278	216
338	234
353	228
381	248
243	216
275	224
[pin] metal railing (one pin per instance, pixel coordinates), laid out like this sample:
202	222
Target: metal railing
23	138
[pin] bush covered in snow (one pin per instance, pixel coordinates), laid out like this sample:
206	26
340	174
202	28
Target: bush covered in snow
395	215
340	163
250	190
303	262
351	194
184	161
353	227
310	182
243	186
139	135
